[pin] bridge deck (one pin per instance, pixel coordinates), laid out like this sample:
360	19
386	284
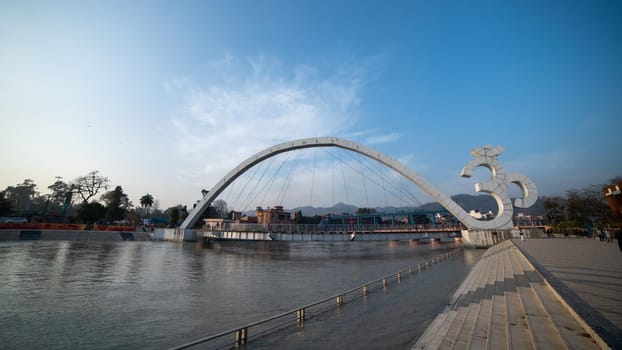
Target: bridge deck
505	303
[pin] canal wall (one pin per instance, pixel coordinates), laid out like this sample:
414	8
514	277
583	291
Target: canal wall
73	235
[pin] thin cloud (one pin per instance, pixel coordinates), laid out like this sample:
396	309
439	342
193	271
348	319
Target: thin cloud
220	124
385	138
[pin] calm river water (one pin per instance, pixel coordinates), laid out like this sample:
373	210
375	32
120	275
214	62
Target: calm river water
138	295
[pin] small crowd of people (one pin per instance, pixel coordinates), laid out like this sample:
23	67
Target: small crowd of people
604	236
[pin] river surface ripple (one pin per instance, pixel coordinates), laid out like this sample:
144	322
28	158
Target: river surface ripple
138	295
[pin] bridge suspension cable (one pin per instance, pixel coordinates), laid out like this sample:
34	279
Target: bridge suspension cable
251	197
274	176
345	185
313	176
270	182
288	180
363	180
245	184
389	179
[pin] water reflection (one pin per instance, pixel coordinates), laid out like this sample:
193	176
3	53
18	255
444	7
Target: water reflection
274	250
110	294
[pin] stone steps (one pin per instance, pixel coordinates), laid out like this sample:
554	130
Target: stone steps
505	303
441	325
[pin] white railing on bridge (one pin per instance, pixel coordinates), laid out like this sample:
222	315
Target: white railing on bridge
310	228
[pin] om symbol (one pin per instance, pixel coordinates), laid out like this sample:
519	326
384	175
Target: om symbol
497	187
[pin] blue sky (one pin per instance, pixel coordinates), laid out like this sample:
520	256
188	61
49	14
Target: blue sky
166	97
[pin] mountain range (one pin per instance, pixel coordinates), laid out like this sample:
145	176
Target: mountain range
481	203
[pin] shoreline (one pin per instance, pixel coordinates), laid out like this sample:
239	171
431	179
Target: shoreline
73	235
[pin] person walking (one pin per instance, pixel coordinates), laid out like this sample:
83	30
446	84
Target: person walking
522	235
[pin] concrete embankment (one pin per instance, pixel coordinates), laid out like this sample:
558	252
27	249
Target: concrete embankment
60	235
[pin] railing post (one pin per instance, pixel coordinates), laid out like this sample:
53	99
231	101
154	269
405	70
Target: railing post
240	336
300	315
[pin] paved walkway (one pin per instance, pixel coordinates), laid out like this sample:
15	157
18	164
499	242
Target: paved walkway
587	274
505	303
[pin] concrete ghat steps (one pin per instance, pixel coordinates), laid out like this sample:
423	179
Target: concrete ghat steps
496	334
437	331
505	303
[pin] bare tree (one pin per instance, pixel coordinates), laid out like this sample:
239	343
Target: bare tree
89	185
220	208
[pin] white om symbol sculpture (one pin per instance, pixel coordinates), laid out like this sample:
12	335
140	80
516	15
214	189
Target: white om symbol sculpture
497	187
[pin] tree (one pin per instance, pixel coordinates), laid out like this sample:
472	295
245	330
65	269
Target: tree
117	203
183	213
5	204
220	208
89	185
588	207
298	217
421	219
90	212
176	214
59	191
579	209
146	202
360	211
173	216
555	209
21	195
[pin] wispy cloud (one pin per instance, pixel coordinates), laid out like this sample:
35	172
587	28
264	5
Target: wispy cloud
383	138
222	123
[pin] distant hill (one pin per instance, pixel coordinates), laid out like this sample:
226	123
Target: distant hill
335	209
482	203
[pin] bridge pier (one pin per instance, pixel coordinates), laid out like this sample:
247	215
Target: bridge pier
486	238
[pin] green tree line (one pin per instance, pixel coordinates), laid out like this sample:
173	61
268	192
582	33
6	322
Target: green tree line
86	200
583	209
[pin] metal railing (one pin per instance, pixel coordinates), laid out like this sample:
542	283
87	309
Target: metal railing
346	228
239	336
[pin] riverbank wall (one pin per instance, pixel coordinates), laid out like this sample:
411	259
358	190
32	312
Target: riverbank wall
73	235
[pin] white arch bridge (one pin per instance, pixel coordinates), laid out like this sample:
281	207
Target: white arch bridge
485	156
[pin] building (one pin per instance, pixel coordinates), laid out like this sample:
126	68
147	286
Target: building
275	215
216	223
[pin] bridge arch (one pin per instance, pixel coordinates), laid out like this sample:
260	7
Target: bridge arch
503	219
